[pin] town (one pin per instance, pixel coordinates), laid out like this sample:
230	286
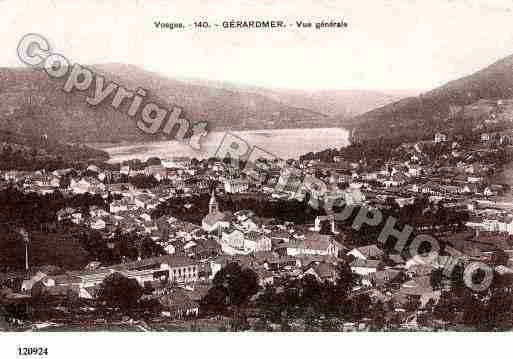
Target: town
185	244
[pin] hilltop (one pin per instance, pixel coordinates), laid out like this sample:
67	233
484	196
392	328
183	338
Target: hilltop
465	103
34	104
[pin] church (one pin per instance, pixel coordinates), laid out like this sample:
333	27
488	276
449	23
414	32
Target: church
215	220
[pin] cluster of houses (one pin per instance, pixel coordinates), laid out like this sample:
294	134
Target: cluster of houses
273	250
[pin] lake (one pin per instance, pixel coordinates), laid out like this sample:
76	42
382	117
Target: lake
284	143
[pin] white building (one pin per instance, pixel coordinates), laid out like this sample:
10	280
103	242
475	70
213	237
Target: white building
440	137
236	185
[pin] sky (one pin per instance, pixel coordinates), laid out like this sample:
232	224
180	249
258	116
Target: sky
400	44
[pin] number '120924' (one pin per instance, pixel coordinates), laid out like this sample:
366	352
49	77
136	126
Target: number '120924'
29	351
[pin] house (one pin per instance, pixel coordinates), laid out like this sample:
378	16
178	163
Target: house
86	185
280	236
236	185
488	192
367	252
248	224
401	202
168	268
364	267
159	172
440	137
474	179
88	278
414	171
123	189
46	180
95	211
93	168
328	218
124	204
322	271
170	249
396	259
146	201
27	284
264	276
421	289
258	242
215	221
272	261
205	248
397	179
290	181
98	224
306	260
177	304
65	213
353	196
62	172
220	262
383	277
323	245
180	269
234	239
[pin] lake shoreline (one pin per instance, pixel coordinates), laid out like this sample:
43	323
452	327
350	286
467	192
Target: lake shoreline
101	145
283	143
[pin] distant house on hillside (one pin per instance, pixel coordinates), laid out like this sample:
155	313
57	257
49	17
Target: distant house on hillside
440	137
367	252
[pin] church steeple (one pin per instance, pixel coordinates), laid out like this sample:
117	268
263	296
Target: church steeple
213	206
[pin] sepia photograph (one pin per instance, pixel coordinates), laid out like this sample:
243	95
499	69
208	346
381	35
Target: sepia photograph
260	169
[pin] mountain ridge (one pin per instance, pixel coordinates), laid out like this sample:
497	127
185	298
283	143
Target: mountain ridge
439	109
32	103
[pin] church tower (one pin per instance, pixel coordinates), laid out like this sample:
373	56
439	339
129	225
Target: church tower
213	206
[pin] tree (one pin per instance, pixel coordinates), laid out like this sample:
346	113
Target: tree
311	293
232	288
473	310
498	311
64	182
150	248
153	161
4	324
150	307
413	304
445	309
118	291
239	321
325	228
499	257
345	280
285	323
436	278
360	306
262	325
310	319
267	302
329	325
378	315
214	301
